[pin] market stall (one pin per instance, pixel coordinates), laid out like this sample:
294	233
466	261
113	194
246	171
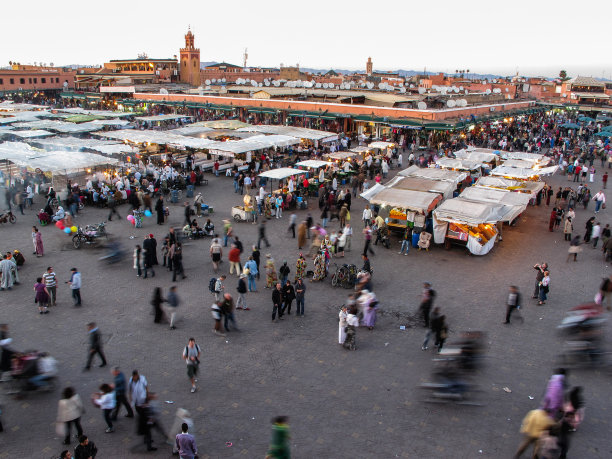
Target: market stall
523	173
280	174
469	222
434	174
406	207
529	187
107	147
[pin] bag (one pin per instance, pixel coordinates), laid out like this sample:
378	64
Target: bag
603	206
432	293
60	429
211	284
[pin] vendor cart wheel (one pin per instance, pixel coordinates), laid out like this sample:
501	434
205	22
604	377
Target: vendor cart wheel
334	280
12	219
76	241
237	218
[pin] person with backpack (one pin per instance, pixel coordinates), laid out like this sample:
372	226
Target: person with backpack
427	298
191	356
216	286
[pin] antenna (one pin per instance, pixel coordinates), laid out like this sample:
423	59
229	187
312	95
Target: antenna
245	56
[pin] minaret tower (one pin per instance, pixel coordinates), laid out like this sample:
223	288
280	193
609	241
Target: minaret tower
190	61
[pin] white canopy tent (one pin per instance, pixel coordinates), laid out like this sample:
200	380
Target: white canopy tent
108	147
360	149
190	130
533	157
476	193
313	163
51	161
281	173
372	191
10	106
16	117
381	145
259	142
434	174
520	163
105	113
476	156
406	199
157	137
340	155
28	134
423	184
530	187
459	164
61	126
299	132
522	173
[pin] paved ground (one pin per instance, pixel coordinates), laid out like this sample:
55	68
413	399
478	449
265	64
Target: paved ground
341	404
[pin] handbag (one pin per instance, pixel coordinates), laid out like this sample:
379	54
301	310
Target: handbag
60	428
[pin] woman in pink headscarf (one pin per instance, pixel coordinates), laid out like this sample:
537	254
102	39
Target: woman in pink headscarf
39	243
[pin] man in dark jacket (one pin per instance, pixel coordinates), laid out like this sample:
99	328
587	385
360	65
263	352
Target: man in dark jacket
288	297
277	301
85	449
149	246
95	345
514	302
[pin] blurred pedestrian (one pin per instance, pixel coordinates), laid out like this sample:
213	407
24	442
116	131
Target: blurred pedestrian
279	444
156	302
191	356
69	411
95	345
534	423
120	386
427	297
105	400
173	303
513	302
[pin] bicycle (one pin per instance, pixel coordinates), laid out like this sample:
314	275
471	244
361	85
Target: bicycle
344	276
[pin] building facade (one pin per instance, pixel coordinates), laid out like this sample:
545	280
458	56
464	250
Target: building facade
33	78
190	61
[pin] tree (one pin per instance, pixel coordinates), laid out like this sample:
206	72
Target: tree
563	75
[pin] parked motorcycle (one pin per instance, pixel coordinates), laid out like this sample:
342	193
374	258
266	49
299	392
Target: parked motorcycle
91	235
7	217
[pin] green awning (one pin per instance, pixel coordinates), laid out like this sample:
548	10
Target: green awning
262	110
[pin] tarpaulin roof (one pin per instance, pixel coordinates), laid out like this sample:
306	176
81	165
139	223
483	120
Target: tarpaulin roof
314	163
476	156
461	210
61	126
340	155
50	161
108	147
222	124
30	133
459	164
21	116
534	157
434	174
423	184
477	193
281	173
522	173
258	142
372	191
158	137
105	113
521	163
407	199
9	105
300	133
381	145
509	184
190	130
360	149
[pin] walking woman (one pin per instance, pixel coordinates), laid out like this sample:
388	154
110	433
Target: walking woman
319	270
589	229
553	219
156	302
159	209
138	260
105	400
342	317
568	228
42	296
574	248
544	288
38	242
352	322
69	411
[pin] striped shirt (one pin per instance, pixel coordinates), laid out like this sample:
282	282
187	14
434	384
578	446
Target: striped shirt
49	279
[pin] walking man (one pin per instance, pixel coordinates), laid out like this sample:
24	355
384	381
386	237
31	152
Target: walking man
50	281
185	443
95	345
514	302
539	276
252	268
427	297
75	286
242	289
119	386
277	301
262	234
191	356
300	292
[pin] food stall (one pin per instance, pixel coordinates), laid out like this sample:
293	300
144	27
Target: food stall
474	168
470	223
526	187
518	200
519	173
431	173
406	207
280	174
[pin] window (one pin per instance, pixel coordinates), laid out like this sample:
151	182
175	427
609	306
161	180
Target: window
57	80
1	81
21	80
12	80
30	80
43	80
35	80
194	63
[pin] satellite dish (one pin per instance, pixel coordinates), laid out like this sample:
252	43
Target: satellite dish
260	85
318	85
488	91
462	102
208	81
421	105
401	85
381	85
494	81
370	85
332	86
223	80
253	83
460	88
443	90
466	91
451	103
163	91
267	83
421	90
214	80
402	90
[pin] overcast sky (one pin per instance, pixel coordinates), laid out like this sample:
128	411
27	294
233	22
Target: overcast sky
536	37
